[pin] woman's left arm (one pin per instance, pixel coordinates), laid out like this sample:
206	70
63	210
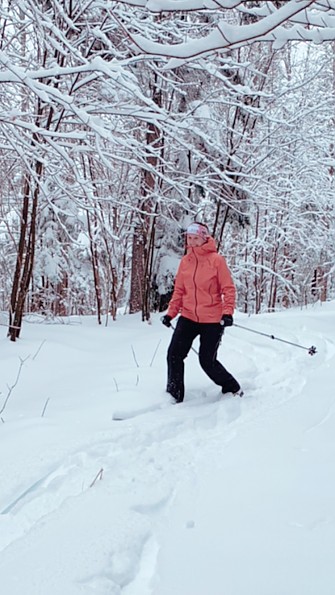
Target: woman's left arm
227	286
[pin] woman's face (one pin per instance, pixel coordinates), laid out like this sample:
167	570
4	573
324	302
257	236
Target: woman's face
194	240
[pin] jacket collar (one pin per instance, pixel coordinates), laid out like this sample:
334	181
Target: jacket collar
206	248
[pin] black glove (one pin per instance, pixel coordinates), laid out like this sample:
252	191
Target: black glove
227	320
166	320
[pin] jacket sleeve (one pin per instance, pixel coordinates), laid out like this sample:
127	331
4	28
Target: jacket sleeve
176	301
227	287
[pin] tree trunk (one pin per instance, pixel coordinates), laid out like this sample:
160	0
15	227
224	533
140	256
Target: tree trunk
25	254
95	266
143	246
137	271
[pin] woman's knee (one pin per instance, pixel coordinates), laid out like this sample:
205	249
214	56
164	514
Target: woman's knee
206	362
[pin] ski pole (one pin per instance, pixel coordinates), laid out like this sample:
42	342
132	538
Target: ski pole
173	328
311	350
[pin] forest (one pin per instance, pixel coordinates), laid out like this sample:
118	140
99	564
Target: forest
122	122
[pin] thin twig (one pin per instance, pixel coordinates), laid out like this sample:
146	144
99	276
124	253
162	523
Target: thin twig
11	388
45	406
116	385
136	362
98	476
39	349
154	355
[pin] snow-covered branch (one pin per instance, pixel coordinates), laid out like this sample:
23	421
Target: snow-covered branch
296	20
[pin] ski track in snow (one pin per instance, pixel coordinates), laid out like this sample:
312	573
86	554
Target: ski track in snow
142	447
152	440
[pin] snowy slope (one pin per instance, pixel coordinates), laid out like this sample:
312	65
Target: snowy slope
211	497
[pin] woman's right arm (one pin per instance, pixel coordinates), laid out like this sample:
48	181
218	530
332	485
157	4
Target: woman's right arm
176	301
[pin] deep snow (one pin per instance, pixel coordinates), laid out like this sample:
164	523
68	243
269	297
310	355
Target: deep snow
212	497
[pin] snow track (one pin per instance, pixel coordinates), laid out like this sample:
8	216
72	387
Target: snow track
129	508
139	479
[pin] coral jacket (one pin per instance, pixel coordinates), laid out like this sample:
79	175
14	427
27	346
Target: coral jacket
204	289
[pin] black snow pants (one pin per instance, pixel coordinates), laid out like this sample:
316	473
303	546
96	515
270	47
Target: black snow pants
210	336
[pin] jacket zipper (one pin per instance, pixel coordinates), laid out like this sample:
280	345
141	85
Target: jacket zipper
195	287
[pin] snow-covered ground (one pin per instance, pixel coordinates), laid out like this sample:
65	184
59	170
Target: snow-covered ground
212	497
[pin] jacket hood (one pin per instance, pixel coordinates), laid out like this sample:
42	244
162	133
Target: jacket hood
209	246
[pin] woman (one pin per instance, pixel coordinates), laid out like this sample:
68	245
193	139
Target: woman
204	295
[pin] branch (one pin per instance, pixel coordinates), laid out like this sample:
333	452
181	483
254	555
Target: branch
288	23
97	477
156	6
11	388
